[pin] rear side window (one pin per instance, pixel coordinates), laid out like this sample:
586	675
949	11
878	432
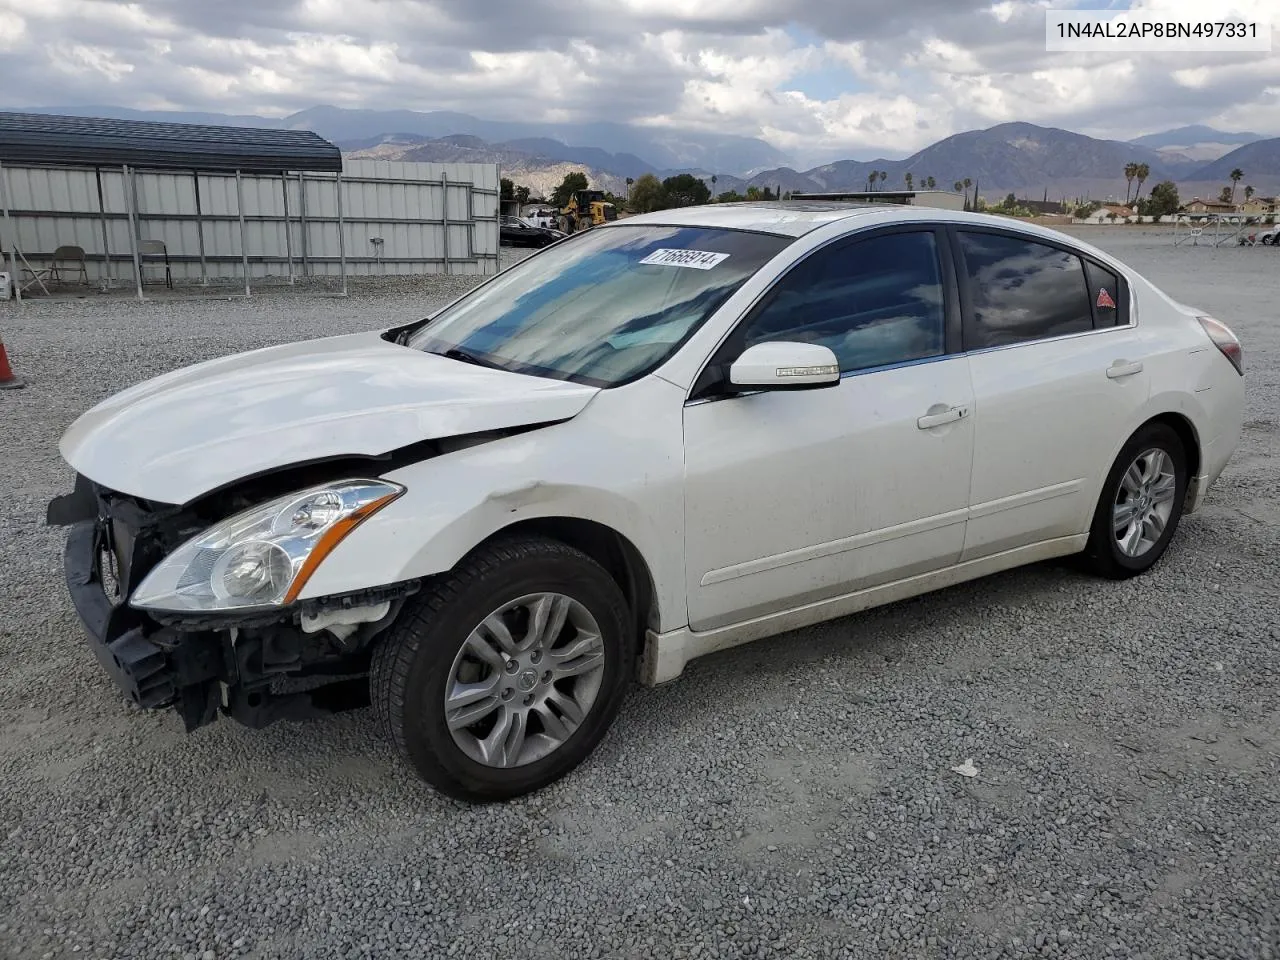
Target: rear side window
1105	295
1021	290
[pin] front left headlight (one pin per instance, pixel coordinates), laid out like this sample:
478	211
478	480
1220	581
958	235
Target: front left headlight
263	557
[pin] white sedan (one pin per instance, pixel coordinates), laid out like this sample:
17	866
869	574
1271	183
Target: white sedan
652	441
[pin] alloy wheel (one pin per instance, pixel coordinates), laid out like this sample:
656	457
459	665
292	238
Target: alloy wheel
524	680
1144	502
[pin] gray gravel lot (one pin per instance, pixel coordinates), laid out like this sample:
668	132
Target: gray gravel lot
792	798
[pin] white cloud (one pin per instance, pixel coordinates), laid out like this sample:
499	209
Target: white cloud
920	69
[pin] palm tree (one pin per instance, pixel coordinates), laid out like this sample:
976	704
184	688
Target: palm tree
884	175
871	178
907	178
713	186
1248	193
630	181
1236	176
931	183
967	184
1140	171
1130	171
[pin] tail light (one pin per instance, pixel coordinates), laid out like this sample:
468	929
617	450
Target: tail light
1225	341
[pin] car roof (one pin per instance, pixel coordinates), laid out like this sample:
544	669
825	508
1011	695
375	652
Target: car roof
789	218
792	218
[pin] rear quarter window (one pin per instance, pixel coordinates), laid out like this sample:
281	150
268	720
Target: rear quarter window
1106	295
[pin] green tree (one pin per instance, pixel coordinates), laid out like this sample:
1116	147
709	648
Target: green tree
753	193
1226	195
1248	193
1130	171
507	189
767	194
571	184
907	178
685	190
1163	199
648	195
730	196
930	183
1010	201
884	175
522	195
1236	176
967	184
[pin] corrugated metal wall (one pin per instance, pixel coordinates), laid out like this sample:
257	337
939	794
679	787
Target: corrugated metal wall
428	215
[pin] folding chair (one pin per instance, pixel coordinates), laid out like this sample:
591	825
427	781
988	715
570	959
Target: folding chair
63	257
155	252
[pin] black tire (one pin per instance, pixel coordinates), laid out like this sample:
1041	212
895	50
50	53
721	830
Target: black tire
1102	554
411	666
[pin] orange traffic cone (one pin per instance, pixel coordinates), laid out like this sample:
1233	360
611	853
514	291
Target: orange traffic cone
7	380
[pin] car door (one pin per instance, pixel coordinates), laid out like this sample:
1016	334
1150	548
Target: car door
797	496
1057	378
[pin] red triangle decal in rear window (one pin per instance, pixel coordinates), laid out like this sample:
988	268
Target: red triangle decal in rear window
1105	301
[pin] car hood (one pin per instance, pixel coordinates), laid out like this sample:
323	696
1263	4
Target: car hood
183	434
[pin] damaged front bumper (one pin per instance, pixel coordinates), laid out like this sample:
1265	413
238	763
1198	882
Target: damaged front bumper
240	666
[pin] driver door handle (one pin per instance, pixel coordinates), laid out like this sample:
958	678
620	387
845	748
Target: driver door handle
936	417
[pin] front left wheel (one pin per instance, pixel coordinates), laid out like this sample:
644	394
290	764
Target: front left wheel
503	675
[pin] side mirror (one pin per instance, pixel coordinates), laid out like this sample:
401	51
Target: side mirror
784	365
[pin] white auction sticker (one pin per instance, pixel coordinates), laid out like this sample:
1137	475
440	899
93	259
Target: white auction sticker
698	259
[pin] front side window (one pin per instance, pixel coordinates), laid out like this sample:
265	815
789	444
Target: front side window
602	308
874	302
1021	290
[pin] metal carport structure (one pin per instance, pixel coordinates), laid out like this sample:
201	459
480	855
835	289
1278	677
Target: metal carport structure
92	143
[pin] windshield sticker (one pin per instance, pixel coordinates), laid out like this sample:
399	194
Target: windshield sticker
698	259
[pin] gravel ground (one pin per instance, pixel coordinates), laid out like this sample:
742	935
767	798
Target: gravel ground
793	798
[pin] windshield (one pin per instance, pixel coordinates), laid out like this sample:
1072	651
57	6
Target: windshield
602	308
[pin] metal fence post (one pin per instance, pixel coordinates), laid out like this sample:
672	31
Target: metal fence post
288	227
302	222
131	202
204	271
342	244
444	215
244	249
102	220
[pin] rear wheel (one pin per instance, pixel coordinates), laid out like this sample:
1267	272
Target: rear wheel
505	674
1141	504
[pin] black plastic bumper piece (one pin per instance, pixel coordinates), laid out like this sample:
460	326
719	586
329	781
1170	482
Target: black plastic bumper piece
138	665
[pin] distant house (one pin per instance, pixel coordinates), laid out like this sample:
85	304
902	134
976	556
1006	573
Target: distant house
1196	208
1109	212
1258	206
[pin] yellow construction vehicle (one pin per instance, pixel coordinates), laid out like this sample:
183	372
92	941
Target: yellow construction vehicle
589	208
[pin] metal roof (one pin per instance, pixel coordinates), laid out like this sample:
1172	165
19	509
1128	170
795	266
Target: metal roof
91	142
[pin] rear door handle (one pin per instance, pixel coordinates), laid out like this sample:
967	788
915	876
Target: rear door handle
1123	368
938	417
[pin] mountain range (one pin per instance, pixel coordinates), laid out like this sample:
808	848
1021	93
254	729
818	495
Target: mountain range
1021	158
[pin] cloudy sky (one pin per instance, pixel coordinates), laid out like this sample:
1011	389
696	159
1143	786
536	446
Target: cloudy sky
817	78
